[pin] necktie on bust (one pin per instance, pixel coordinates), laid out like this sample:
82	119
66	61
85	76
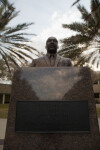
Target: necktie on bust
52	59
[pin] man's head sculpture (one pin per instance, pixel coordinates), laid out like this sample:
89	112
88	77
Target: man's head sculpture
52	45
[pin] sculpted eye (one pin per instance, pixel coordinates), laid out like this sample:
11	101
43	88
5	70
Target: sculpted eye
55	41
49	41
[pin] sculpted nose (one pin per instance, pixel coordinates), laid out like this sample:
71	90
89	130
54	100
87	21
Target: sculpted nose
52	41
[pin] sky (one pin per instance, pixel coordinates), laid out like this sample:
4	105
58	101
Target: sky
48	17
42	12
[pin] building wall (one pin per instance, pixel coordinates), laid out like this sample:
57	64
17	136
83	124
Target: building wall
5	93
96	88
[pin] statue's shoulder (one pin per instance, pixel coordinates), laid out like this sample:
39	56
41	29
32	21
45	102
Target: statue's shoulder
64	60
39	58
36	61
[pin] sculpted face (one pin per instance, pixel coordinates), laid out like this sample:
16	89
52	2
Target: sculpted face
52	45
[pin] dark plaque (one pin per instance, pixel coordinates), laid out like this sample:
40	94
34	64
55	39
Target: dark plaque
52	116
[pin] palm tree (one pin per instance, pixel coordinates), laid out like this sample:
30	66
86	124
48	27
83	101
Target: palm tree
87	36
4	2
14	45
75	2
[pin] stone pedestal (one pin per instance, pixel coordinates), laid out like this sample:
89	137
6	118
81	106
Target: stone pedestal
52	84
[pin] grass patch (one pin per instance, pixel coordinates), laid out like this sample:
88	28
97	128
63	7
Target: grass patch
98	112
4	110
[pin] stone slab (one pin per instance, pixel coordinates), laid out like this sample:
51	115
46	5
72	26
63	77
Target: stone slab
59	84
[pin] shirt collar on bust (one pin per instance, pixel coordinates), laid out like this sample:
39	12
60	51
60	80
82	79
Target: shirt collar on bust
49	55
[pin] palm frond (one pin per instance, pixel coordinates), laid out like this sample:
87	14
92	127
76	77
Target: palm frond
87	36
4	56
95	9
86	16
78	27
5	2
14	43
75	2
19	27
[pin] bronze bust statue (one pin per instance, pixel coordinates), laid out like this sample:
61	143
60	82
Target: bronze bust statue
51	59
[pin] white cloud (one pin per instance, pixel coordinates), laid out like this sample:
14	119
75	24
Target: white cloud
54	16
55	28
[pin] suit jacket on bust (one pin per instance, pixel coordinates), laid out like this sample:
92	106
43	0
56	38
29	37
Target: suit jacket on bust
45	62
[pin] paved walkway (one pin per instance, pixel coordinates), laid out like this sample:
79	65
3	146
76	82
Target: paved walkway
3	123
2	128
1	147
